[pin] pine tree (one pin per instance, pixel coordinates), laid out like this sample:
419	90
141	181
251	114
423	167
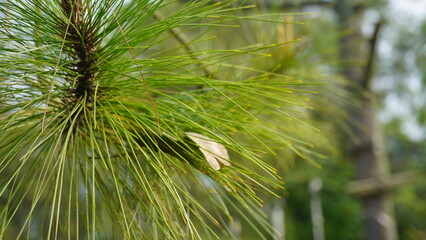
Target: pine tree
113	125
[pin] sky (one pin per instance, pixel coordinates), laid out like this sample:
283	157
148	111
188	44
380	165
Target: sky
409	13
415	8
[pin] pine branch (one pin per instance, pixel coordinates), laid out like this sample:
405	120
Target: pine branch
79	133
83	48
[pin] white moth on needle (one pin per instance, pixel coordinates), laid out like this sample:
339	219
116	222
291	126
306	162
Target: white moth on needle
215	153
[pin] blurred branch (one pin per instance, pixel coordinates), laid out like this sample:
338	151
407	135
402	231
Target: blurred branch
305	4
178	34
370	186
368	73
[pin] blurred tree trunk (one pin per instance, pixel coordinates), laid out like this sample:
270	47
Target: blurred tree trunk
366	151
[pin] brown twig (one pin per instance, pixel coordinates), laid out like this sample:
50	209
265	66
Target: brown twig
151	99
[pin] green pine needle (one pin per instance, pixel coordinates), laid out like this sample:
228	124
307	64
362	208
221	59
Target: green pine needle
97	98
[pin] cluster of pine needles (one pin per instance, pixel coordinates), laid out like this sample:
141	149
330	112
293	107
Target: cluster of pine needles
109	131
